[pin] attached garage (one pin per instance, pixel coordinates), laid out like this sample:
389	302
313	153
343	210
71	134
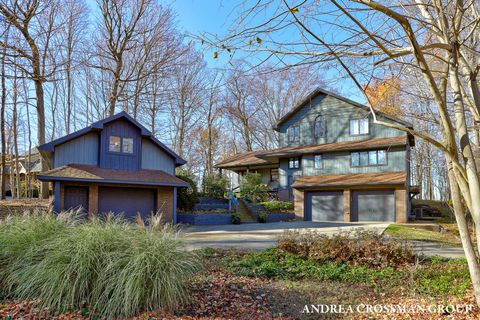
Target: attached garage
324	206
127	201
373	205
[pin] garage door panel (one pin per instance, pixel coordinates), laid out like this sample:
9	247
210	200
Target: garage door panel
325	206
373	205
76	197
127	201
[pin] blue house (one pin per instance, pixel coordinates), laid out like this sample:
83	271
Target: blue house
334	162
114	165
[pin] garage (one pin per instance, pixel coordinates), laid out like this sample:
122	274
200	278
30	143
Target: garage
76	197
325	206
127	201
373	205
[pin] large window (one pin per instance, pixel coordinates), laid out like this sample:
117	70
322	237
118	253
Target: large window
294	163
319	127
318	161
117	144
368	158
359	126
294	133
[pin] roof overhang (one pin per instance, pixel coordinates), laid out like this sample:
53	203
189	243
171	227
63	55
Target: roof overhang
110	181
352	180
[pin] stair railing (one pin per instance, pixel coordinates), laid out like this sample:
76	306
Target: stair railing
232	202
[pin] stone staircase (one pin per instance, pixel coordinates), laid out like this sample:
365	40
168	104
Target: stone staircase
244	212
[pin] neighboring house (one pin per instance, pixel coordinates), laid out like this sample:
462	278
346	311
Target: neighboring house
114	165
334	162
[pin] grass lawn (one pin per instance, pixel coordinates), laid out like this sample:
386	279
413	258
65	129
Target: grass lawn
418	234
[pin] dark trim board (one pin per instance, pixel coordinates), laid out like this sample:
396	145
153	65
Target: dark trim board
142	183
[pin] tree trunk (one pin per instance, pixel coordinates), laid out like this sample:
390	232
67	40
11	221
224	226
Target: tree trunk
3	176
17	193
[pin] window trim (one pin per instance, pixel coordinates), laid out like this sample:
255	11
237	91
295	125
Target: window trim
358	119
299	159
368	157
296	138
321	162
109	144
121	153
324	131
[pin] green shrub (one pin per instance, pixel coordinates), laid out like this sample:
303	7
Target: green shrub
277	206
236	218
215	186
360	249
113	268
253	189
262	217
187	197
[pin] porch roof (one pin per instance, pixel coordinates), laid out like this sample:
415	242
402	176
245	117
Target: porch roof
355	179
242	159
91	173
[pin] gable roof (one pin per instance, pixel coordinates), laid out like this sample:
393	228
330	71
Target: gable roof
319	91
92	173
98	126
242	159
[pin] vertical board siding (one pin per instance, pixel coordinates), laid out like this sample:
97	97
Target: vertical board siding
118	160
155	158
337	115
83	150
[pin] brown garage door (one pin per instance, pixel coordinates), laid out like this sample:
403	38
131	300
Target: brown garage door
127	201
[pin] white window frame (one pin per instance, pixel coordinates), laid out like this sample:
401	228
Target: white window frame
294	133
356	126
318	164
294	163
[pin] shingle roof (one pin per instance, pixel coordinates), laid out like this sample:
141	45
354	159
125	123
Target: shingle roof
242	159
258	157
91	173
343	180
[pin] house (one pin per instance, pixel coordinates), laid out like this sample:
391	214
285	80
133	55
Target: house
334	162
114	165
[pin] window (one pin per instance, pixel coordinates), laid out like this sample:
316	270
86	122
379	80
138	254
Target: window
294	134
359	126
274	175
294	163
127	145
368	158
319	127
114	145
318	161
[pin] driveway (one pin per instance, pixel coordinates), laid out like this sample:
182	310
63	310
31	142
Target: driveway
259	236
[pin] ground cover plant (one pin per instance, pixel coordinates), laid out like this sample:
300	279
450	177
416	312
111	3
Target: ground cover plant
277	206
110	267
448	237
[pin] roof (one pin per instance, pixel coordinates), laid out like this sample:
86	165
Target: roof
242	159
91	173
319	91
96	126
343	180
259	157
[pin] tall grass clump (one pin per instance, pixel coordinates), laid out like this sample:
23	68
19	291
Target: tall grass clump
111	267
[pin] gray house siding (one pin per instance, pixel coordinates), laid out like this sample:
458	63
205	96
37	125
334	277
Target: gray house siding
155	158
119	160
83	150
337	114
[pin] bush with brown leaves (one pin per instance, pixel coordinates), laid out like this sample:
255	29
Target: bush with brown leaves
359	248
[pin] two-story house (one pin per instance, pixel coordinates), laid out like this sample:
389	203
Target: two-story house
114	165
334	162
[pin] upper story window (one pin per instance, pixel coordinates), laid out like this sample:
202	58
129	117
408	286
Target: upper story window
319	127
368	158
318	161
117	144
294	163
294	133
359	126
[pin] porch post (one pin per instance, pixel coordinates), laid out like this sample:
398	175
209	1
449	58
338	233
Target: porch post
346	206
92	199
174	209
56	197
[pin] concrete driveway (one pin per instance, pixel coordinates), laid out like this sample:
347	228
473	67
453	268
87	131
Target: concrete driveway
259	236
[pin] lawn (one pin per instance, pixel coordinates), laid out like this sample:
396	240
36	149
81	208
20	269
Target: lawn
418	234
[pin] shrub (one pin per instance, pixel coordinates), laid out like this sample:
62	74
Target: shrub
215	186
363	248
236	218
113	268
277	206
253	189
187	197
262	217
